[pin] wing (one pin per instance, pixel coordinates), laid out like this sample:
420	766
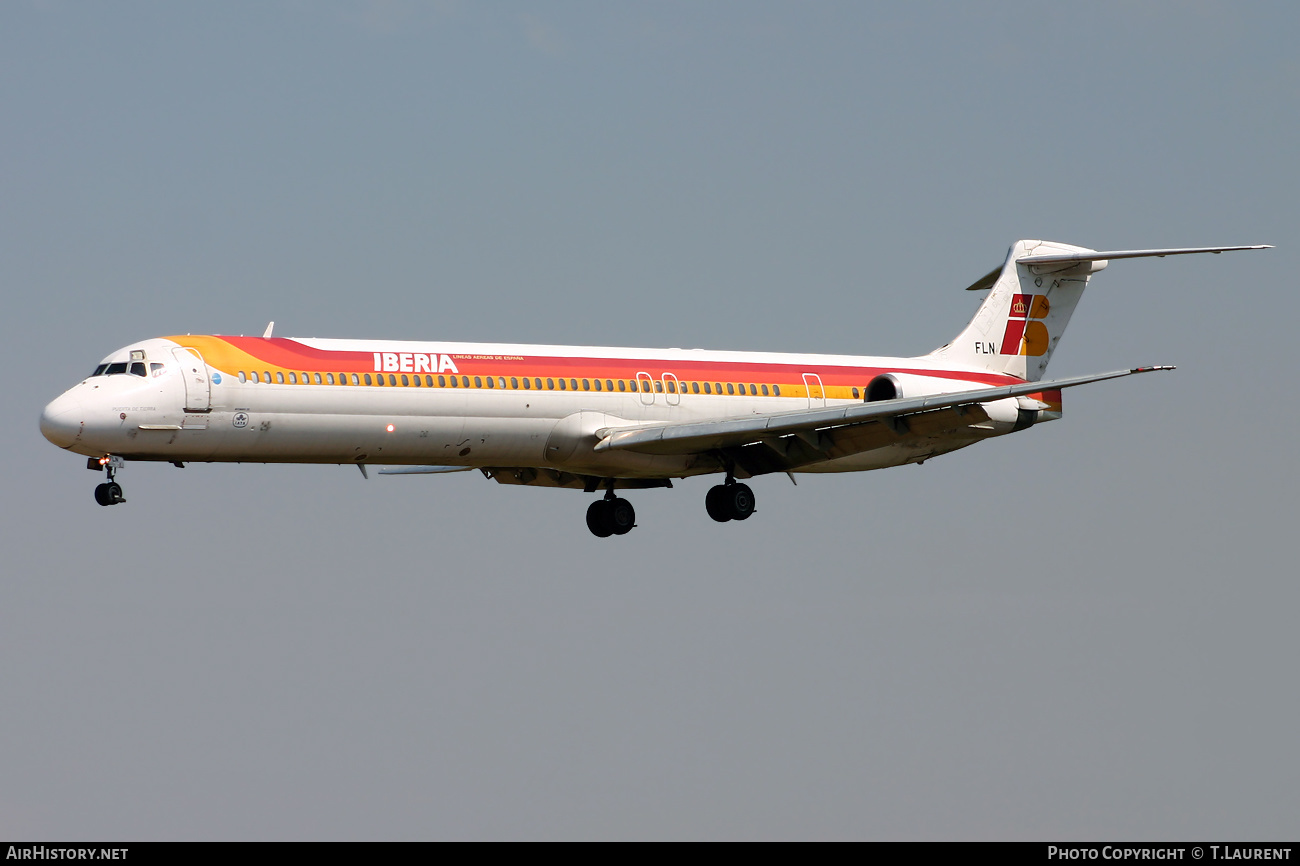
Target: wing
780	441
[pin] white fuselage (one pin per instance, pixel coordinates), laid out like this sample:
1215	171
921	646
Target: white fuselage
204	398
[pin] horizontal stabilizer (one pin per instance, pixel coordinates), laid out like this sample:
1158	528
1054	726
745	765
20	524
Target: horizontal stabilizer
1107	255
696	436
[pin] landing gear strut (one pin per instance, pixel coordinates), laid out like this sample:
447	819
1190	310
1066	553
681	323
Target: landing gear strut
110	492
729	501
610	516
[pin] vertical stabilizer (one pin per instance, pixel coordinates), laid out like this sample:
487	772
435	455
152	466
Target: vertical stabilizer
1019	324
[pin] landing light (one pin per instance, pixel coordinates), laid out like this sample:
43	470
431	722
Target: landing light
390	428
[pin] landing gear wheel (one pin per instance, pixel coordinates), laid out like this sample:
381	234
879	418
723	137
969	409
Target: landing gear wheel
740	501
622	516
109	493
729	502
715	503
599	519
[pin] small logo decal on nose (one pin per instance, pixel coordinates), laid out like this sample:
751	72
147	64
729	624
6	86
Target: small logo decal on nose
216	378
240	419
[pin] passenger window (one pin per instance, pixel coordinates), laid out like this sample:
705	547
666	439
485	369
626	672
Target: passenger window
708	389
753	391
329	377
855	393
356	381
405	381
645	385
695	387
381	379
598	385
561	384
415	380
455	383
501	381
717	388
478	381
573	384
279	377
730	389
621	385
550	384
526	383
765	391
242	377
659	386
317	375
490	382
442	381
609	385
428	381
255	377
514	383
392	380
776	389
293	378
586	384
537	384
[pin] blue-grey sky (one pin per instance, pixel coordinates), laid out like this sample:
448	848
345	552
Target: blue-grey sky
1083	631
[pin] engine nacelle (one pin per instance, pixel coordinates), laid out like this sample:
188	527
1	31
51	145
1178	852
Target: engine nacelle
895	386
1004	416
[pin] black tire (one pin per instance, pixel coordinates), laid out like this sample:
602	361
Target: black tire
740	501
599	520
114	493
101	494
622	516
715	502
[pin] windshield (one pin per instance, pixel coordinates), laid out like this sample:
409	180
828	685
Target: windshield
135	368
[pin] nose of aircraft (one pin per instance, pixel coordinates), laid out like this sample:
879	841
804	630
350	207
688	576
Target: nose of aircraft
61	421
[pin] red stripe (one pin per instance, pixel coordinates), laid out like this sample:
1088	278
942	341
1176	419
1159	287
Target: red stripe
292	355
1011	339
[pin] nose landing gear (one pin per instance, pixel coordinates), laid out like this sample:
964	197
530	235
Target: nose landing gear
110	492
610	516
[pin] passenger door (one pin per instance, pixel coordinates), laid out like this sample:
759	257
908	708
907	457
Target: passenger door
198	390
816	393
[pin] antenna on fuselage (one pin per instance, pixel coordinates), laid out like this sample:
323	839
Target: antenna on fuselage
269	328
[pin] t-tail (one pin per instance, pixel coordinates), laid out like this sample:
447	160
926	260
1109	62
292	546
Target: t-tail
1034	294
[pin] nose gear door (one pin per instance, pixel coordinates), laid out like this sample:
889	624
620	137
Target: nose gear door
198	390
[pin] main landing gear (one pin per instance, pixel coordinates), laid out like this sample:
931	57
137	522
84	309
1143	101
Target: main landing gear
729	501
110	492
615	516
612	515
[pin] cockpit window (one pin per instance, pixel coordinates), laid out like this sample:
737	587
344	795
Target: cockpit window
138	369
156	369
99	371
114	369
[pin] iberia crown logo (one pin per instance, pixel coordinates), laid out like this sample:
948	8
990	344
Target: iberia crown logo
1025	334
